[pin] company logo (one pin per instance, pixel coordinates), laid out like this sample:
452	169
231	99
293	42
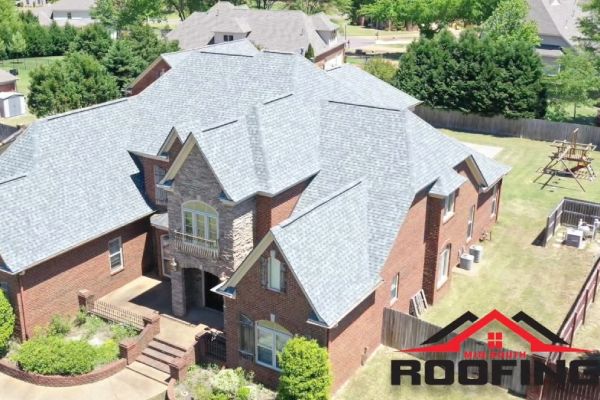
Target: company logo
474	366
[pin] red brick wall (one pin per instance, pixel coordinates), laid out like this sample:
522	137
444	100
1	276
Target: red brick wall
8	87
150	76
270	211
291	310
51	287
148	165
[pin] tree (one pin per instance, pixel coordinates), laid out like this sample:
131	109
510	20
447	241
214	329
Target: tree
509	22
18	45
119	14
147	45
589	24
7	321
122	63
76	81
185	8
474	75
10	22
310	53
305	371
39	42
93	39
382	69
576	83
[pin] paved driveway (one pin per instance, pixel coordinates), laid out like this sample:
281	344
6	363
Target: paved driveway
125	385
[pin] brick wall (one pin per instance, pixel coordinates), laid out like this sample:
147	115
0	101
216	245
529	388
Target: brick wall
52	287
8	87
150	76
270	211
148	165
291	311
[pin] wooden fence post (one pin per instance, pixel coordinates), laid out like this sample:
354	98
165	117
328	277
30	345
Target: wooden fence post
596	285
587	291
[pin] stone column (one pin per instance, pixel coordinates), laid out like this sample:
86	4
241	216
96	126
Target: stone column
178	293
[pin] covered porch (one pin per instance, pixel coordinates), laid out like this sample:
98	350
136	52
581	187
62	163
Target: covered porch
147	294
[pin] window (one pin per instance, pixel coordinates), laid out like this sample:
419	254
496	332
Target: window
227	38
269	342
471	223
274	272
449	205
160	194
165	260
246	337
495	201
200	221
115	253
495	340
394	288
444	266
69	15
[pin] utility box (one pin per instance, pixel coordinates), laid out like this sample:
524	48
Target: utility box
477	252
574	238
466	261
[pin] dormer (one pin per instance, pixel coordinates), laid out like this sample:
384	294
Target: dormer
228	29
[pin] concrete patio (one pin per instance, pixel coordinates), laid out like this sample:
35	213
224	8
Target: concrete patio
147	295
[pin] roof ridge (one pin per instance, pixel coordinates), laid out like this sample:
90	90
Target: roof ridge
84	109
346	103
277	98
219	125
320	202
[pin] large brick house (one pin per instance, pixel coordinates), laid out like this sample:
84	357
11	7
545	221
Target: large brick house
291	199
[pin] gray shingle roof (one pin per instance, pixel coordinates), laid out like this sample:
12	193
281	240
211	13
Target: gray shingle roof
557	21
6	77
332	279
73	5
264	122
290	31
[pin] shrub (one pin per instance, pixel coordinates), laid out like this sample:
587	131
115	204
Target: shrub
59	326
122	331
81	317
220	396
228	381
244	393
306	371
106	353
7	321
52	355
382	69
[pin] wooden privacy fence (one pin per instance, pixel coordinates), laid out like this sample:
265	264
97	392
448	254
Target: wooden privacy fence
553	390
535	129
578	312
569	212
403	331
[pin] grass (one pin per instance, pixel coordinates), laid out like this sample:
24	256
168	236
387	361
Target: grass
515	274
25	65
585	115
373	382
357	30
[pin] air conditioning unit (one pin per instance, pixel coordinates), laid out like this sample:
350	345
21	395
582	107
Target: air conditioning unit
466	261
574	238
477	252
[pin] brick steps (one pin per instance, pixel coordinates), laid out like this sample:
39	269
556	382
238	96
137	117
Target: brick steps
159	354
150	372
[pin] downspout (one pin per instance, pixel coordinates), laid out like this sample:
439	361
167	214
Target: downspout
22	306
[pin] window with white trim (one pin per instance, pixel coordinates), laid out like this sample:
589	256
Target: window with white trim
200	220
274	272
115	254
471	223
444	266
449	205
394	288
495	201
269	343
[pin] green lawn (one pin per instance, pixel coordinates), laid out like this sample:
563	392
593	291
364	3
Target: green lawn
372	382
585	115
515	274
25	65
356	30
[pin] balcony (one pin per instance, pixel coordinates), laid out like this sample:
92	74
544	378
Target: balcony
195	245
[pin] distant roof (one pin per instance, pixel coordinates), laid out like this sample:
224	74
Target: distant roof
6	77
281	30
557	20
73	5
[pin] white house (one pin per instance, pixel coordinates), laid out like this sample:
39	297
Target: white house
77	13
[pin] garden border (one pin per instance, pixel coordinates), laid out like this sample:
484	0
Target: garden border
13	370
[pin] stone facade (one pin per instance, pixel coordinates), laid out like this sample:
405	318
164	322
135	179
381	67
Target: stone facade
196	181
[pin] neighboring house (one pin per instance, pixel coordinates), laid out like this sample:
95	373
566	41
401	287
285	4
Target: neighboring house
12	103
77	13
289	31
31	3
558	25
291	199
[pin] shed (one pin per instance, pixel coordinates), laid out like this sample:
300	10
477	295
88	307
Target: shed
12	104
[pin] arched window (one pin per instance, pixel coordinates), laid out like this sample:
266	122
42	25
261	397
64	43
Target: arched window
200	220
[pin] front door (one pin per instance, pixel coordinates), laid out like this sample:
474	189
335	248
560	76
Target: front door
213	300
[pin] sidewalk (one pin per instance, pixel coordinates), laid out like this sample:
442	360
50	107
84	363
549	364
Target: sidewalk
125	385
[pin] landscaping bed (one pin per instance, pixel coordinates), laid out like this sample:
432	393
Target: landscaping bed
70	347
213	383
